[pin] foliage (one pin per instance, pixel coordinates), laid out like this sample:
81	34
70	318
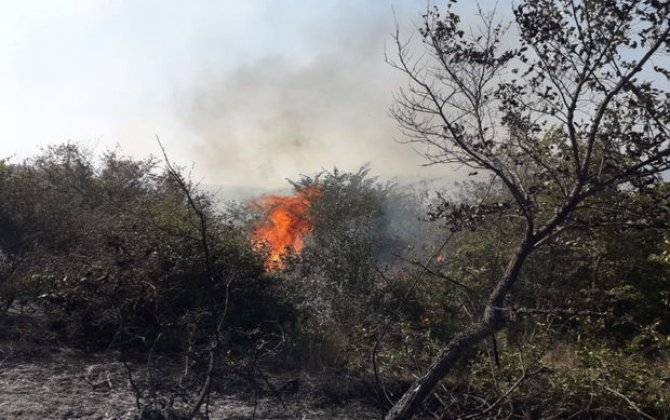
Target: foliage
347	238
582	363
550	280
563	106
345	277
124	256
115	249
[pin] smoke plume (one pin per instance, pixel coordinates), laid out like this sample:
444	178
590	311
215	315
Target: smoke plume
285	115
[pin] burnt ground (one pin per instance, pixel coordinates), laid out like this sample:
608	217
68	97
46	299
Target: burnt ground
42	378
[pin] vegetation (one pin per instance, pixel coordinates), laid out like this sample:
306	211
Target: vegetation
125	257
540	289
115	255
561	108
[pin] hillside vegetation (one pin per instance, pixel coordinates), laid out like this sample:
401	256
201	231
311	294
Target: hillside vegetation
123	268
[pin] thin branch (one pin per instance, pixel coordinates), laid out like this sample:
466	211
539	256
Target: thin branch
386	328
553	311
432	272
630	402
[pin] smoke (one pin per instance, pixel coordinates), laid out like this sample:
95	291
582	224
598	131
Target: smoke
285	114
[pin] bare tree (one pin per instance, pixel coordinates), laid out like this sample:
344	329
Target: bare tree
565	103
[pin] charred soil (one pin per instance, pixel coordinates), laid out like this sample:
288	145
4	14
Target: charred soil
43	377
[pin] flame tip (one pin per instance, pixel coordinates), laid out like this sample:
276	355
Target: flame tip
285	224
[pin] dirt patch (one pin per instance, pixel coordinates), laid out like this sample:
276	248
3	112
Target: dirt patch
68	388
41	378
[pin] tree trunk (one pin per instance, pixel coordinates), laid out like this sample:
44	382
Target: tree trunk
410	402
492	321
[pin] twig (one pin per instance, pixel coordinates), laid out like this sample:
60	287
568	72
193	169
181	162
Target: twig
436	274
515	385
553	311
272	387
381	390
196	205
133	385
207	386
149	376
630	403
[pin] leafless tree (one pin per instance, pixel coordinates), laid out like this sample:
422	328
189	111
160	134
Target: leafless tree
567	102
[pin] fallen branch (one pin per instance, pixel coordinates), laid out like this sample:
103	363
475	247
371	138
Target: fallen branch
553	311
524	375
630	402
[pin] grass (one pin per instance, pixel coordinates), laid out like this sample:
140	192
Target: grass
43	378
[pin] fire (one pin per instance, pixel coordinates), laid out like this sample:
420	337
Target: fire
285	225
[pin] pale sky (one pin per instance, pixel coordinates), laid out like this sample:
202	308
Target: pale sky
250	92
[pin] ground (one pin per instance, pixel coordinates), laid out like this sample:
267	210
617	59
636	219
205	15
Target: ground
42	378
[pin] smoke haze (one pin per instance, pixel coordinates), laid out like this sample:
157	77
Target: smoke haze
249	92
280	116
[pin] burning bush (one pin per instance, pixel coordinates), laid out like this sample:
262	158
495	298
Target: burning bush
334	241
285	223
118	254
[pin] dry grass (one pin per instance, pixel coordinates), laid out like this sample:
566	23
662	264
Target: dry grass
561	358
60	389
41	378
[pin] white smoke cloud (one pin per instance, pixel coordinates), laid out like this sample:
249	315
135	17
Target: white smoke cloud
283	115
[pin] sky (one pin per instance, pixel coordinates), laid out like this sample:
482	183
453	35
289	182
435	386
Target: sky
248	93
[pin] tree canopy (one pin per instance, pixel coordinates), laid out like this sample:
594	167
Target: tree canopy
564	106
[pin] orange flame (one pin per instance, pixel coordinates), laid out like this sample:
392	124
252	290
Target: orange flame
285	225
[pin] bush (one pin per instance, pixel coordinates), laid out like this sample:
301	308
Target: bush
117	252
